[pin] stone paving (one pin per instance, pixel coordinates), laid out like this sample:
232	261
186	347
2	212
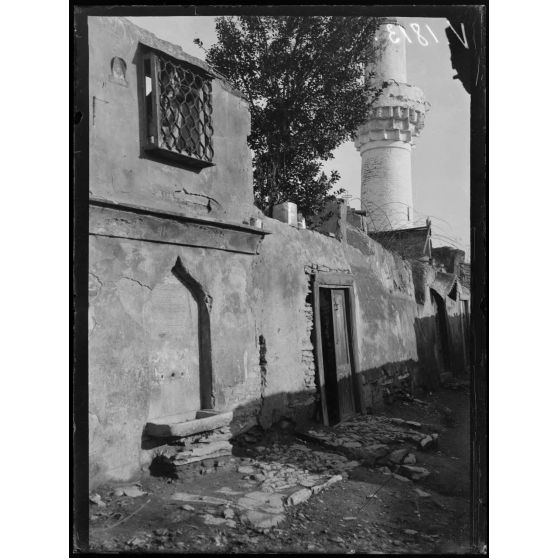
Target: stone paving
371	438
276	475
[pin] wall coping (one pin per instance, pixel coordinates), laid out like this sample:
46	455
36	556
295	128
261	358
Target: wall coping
167	214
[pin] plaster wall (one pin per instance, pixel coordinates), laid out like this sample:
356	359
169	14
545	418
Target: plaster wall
142	358
122	171
134	375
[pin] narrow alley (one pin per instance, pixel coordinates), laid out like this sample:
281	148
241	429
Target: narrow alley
393	483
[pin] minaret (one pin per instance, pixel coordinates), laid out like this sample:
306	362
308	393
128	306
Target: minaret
385	140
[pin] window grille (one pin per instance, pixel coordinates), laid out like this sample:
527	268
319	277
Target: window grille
178	109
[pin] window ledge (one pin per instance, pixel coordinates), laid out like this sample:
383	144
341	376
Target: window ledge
184	160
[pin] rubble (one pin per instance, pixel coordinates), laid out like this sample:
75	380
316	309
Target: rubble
318	488
401	478
397	456
410	459
173	457
262	520
376	441
414	473
299	497
209	519
130	491
261	510
96	499
228	513
429	442
201	451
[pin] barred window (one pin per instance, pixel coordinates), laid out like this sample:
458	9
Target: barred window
178	109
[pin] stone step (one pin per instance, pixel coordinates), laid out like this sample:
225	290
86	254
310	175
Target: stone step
204	449
207	420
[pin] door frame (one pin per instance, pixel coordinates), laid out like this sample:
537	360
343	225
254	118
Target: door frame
331	280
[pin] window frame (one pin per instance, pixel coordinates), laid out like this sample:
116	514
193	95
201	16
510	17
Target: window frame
153	138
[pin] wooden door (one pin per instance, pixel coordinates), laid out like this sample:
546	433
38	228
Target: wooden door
342	355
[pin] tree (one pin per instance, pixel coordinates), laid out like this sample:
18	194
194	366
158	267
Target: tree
303	78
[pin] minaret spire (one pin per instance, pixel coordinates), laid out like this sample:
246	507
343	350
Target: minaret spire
396	117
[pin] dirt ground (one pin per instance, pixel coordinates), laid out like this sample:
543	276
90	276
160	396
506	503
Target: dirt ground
369	511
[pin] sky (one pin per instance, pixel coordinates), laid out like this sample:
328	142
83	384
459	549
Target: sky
440	161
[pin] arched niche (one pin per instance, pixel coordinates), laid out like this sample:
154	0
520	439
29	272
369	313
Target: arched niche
204	302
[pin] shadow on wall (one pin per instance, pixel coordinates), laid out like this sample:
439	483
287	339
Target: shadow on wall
437	354
380	386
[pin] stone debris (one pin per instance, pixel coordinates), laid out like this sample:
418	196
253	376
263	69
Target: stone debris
287	467
96	499
188	508
228	513
173	456
130	491
318	488
209	519
262	520
410	459
138	541
414	473
376	441
299	497
263	501
246	470
291	464
201	451
401	478
370	431
261	510
429	442
398	456
422	493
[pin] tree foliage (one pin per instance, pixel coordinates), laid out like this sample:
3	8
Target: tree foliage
303	78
